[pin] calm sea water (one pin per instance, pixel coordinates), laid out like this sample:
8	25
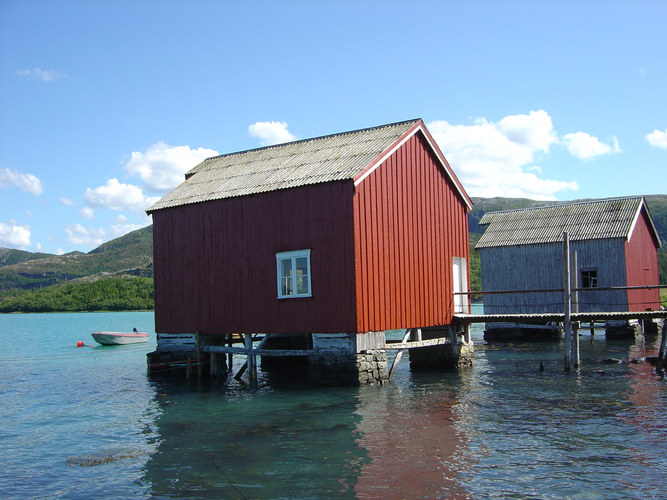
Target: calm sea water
88	423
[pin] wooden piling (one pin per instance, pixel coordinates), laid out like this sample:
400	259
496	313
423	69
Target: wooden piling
567	301
213	363
252	361
198	350
663	347
574	285
399	354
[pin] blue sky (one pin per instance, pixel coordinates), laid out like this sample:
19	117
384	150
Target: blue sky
105	104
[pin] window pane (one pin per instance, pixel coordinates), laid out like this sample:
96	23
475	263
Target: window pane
285	268
301	266
302	285
302	276
286	286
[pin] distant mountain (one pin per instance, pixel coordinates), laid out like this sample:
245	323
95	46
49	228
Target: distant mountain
129	255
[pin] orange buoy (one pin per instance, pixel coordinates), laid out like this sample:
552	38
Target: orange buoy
80	343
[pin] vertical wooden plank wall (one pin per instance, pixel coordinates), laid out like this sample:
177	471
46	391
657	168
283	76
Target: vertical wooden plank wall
409	223
642	267
215	267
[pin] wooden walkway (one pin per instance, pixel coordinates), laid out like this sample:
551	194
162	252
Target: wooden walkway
557	317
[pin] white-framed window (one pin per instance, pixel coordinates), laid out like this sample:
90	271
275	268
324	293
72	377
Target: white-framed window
293	269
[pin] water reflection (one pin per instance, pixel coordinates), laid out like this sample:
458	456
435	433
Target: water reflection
410	437
501	429
240	443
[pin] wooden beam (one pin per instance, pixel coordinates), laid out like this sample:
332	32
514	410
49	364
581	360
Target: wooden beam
257	352
420	343
555	317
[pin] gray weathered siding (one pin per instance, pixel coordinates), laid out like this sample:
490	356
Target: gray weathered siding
533	267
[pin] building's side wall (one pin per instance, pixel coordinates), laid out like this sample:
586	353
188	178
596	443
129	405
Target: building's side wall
215	264
409	223
642	267
540	267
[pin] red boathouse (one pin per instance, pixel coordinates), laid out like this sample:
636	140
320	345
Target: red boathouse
363	231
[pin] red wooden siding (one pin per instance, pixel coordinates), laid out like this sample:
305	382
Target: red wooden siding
409	222
215	265
641	259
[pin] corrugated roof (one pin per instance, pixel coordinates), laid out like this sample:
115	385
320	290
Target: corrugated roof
311	161
597	219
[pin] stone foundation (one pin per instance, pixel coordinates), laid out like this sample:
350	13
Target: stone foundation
332	368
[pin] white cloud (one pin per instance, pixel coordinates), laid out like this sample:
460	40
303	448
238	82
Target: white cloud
26	182
66	201
14	236
585	146
87	213
533	131
489	157
45	75
162	167
270	133
78	234
117	196
658	139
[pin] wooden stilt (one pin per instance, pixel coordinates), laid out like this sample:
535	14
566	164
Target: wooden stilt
241	371
199	364
252	366
213	363
663	348
230	356
399	354
575	344
567	302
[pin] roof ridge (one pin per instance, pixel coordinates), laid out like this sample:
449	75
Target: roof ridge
317	138
568	203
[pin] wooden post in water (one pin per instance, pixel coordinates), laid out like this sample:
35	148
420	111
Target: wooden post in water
663	348
252	367
198	347
574	284
230	356
213	364
567	302
399	354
